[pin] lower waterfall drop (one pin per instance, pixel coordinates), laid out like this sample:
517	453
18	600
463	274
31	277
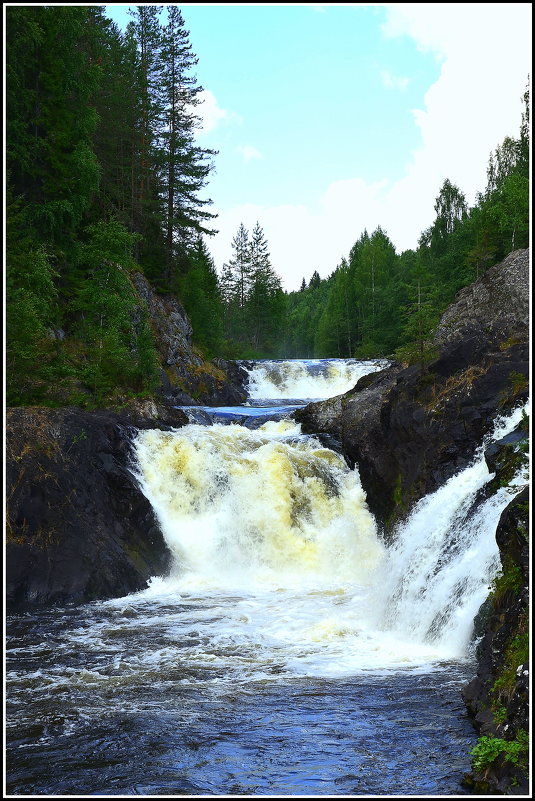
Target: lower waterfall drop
272	531
242	508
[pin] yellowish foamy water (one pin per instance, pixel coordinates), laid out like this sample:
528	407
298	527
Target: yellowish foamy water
243	508
279	558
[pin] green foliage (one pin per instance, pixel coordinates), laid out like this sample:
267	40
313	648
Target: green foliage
254	302
31	312
518	382
517	654
84	189
397	494
200	294
119	349
108	241
488	749
509	579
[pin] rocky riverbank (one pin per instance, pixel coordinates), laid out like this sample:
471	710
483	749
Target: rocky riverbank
187	378
497	698
78	527
410	429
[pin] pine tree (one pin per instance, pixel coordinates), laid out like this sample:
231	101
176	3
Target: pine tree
31	312
314	280
238	270
376	279
184	167
119	347
421	313
265	303
117	105
51	121
147	32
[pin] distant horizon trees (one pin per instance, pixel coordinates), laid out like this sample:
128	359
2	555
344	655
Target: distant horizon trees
252	294
381	303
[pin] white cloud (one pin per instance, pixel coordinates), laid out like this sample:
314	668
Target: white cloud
300	240
248	153
393	81
210	113
475	102
485	56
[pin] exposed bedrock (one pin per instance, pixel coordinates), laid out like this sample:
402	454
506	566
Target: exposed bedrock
497	698
187	378
78	527
411	428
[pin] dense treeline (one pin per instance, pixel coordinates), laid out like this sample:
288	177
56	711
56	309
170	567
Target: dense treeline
378	303
253	298
105	177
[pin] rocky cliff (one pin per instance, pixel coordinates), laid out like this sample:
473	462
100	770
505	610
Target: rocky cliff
497	698
411	428
78	527
186	378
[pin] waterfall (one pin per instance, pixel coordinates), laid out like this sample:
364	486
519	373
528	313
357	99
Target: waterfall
244	507
274	528
310	379
283	613
444	557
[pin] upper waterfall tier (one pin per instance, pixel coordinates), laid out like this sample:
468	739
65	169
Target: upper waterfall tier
308	379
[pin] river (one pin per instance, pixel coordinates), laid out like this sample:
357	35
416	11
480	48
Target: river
289	651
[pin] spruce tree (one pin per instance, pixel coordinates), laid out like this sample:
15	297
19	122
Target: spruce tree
238	270
265	304
184	166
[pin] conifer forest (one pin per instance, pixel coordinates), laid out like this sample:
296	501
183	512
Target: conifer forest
105	178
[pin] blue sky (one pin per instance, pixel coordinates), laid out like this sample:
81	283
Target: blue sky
329	119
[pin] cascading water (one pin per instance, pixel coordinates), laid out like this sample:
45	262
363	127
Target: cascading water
289	651
310	379
282	522
445	556
276	388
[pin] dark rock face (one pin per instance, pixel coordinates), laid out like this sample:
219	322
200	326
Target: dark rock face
495	307
78	526
238	377
410	429
187	380
502	684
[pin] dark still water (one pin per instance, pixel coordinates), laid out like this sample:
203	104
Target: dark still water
104	699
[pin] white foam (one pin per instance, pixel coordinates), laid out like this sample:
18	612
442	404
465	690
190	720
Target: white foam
279	569
307	379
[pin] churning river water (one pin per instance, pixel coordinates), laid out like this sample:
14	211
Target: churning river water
289	651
